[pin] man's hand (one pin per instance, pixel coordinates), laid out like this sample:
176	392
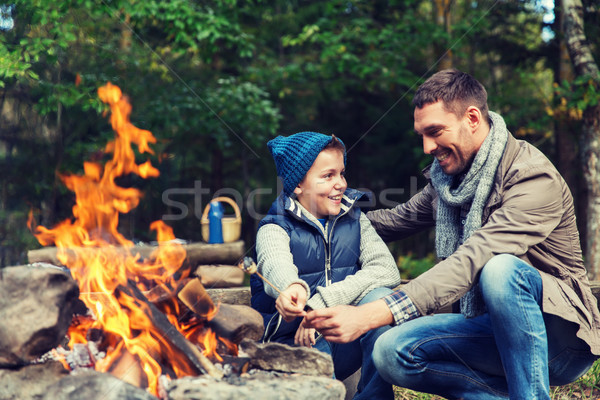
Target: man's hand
344	324
305	336
291	301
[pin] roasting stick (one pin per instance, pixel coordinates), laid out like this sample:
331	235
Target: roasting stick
249	266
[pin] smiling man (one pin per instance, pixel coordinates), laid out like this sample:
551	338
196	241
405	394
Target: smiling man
509	253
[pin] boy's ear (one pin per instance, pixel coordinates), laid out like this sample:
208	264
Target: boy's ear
298	190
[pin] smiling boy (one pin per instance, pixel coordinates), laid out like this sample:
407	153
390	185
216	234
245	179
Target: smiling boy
318	246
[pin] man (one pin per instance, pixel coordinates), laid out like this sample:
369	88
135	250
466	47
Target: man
509	250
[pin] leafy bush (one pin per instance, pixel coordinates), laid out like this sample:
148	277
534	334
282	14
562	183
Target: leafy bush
411	267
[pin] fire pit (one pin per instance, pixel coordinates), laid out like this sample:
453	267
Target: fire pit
36	305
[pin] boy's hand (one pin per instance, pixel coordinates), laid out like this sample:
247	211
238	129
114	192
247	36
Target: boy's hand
305	336
295	293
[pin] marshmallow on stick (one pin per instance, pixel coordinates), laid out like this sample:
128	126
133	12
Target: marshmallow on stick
249	266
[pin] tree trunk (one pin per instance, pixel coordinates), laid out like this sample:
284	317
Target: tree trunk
585	65
566	149
443	19
216	169
590	149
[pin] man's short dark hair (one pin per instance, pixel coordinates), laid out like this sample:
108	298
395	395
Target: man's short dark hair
457	90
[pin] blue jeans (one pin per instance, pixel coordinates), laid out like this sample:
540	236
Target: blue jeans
349	357
513	351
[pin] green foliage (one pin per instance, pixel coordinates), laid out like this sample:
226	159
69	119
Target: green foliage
245	112
411	267
580	94
189	27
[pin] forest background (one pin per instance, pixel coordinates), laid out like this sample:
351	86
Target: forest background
215	80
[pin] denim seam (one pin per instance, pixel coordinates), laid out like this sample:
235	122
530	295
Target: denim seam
523	276
442	373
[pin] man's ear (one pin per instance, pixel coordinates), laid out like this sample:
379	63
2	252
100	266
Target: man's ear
474	117
298	190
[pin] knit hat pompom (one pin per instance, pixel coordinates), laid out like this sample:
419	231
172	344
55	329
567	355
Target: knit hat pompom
295	154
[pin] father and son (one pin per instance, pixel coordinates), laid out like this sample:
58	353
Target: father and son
509	257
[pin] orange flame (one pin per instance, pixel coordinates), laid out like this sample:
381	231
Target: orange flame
100	258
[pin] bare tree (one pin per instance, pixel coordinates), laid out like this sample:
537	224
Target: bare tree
585	65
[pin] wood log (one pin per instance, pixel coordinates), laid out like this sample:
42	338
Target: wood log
239	295
191	353
237	322
196	253
232	322
195	297
220	276
222	253
129	369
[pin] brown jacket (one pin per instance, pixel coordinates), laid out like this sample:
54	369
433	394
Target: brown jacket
529	214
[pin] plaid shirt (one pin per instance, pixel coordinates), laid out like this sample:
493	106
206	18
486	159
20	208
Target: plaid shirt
401	306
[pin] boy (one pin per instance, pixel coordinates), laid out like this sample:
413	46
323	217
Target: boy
317	246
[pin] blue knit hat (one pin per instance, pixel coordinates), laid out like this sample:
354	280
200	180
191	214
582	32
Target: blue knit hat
295	154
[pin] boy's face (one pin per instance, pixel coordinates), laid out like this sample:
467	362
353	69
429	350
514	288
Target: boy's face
320	192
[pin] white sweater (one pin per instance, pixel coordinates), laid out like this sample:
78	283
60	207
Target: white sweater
276	264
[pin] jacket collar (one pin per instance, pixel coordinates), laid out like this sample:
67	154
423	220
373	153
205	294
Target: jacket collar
291	206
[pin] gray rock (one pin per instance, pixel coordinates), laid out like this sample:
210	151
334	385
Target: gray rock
257	385
30	382
36	307
284	358
92	385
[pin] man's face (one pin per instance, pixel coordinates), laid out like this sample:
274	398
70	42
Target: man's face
446	137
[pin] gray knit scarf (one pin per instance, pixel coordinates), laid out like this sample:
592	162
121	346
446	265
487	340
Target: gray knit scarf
475	188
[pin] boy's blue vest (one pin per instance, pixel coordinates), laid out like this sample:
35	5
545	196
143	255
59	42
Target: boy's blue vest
311	254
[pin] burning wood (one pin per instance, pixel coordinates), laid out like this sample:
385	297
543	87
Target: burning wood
196	298
237	322
128	368
176	339
233	322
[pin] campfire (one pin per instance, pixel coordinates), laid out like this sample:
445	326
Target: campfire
135	319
